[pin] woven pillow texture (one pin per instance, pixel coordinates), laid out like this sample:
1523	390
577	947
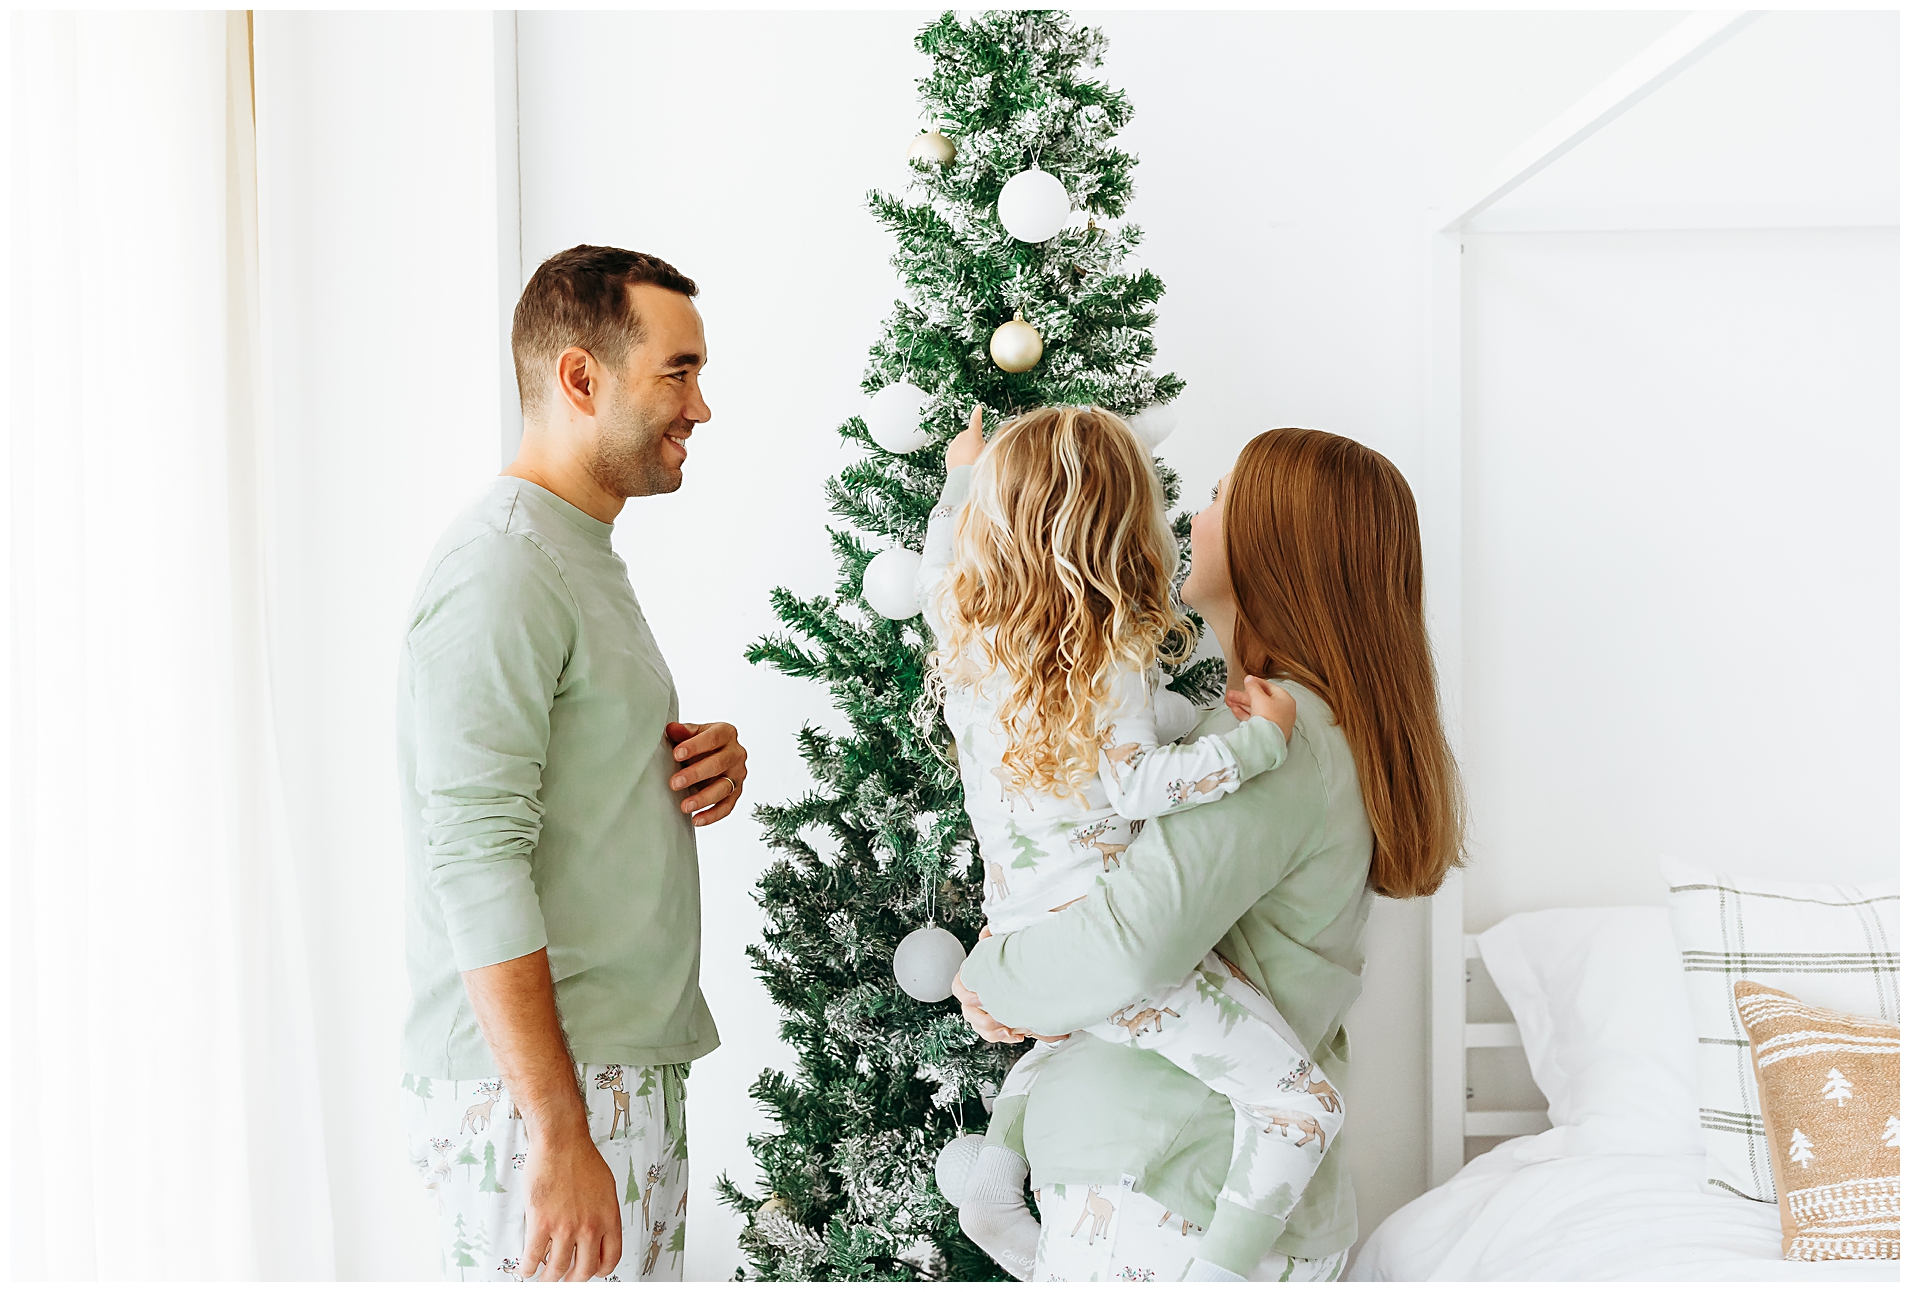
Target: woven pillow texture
1828	1085
1834	946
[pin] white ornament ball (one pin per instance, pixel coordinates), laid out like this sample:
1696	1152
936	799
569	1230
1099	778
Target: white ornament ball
934	147
888	585
774	1205
1033	206
1016	346
894	417
926	961
1152	425
954	1164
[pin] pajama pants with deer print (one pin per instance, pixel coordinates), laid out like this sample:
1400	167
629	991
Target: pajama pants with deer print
1109	1233
1216	1026
469	1148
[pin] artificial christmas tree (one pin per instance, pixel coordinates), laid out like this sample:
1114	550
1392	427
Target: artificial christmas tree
881	846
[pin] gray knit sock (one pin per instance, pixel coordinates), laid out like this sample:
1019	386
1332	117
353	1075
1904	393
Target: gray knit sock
1205	1271
995	1214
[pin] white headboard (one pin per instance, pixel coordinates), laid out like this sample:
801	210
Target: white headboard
1451	1118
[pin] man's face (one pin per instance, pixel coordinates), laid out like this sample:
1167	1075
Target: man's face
653	404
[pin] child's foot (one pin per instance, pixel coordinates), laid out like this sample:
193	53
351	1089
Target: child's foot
995	1214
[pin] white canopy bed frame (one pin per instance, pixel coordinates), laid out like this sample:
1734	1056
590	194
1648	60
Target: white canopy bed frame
1451	1037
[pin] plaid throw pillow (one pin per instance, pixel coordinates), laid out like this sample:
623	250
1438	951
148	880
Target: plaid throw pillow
1834	946
1828	1085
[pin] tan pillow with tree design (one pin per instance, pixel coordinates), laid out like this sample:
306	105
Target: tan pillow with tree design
1827	1083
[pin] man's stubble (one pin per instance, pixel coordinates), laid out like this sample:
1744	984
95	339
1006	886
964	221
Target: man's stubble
628	462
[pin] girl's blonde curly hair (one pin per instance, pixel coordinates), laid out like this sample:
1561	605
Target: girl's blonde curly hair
1062	576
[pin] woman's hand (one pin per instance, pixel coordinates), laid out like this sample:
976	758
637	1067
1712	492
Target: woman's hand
981	1020
966	447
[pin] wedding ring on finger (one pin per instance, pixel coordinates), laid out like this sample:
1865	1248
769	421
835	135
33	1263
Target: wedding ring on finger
735	789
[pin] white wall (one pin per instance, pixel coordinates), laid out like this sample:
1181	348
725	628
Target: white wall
1287	161
1681	560
1681	453
380	251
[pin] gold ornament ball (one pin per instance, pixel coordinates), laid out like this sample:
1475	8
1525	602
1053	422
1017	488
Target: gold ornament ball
774	1205
1016	346
934	147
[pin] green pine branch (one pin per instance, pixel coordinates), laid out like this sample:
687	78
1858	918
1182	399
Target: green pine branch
879	846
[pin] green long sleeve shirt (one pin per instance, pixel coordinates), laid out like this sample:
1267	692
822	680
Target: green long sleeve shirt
537	810
1274	877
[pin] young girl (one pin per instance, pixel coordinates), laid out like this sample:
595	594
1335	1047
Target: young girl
1049	593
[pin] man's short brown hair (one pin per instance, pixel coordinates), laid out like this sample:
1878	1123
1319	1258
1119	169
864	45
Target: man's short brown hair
581	297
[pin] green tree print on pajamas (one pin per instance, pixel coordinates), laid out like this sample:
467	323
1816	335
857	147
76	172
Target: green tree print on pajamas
1044	852
470	1150
1216	1027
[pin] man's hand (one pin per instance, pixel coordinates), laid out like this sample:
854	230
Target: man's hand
1262	699
573	1225
714	770
966	447
571	1220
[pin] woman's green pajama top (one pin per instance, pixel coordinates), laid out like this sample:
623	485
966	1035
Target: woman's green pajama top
1274	878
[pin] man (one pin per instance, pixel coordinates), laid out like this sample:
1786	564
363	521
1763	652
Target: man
549	794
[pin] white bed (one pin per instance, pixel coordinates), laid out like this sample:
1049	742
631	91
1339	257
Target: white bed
1605	1217
1615	1189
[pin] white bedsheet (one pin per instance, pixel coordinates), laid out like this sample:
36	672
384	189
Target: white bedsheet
1514	1213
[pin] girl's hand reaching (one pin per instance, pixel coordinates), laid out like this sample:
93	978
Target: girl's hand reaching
966	447
1262	699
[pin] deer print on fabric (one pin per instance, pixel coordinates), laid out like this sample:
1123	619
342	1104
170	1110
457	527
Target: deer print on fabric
1186	1226
651	1179
1010	794
1179	792
656	1246
611	1079
1144	1018
997	880
478	1116
1301	1078
1308	1128
1127	755
1100	1209
1089	836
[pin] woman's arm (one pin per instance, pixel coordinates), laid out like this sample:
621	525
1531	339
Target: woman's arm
1181	886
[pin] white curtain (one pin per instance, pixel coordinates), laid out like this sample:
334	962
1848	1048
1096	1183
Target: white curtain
164	1108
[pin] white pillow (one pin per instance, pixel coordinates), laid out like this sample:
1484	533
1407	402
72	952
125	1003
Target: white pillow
1830	945
1602	1015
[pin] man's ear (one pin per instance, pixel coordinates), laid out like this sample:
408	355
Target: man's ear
578	381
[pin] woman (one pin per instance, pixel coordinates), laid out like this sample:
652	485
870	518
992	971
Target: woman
1307	568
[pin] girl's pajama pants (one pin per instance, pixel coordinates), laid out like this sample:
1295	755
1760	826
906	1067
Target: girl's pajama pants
1217	1027
1109	1233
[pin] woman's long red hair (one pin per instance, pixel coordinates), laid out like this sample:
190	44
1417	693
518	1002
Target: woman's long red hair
1323	548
